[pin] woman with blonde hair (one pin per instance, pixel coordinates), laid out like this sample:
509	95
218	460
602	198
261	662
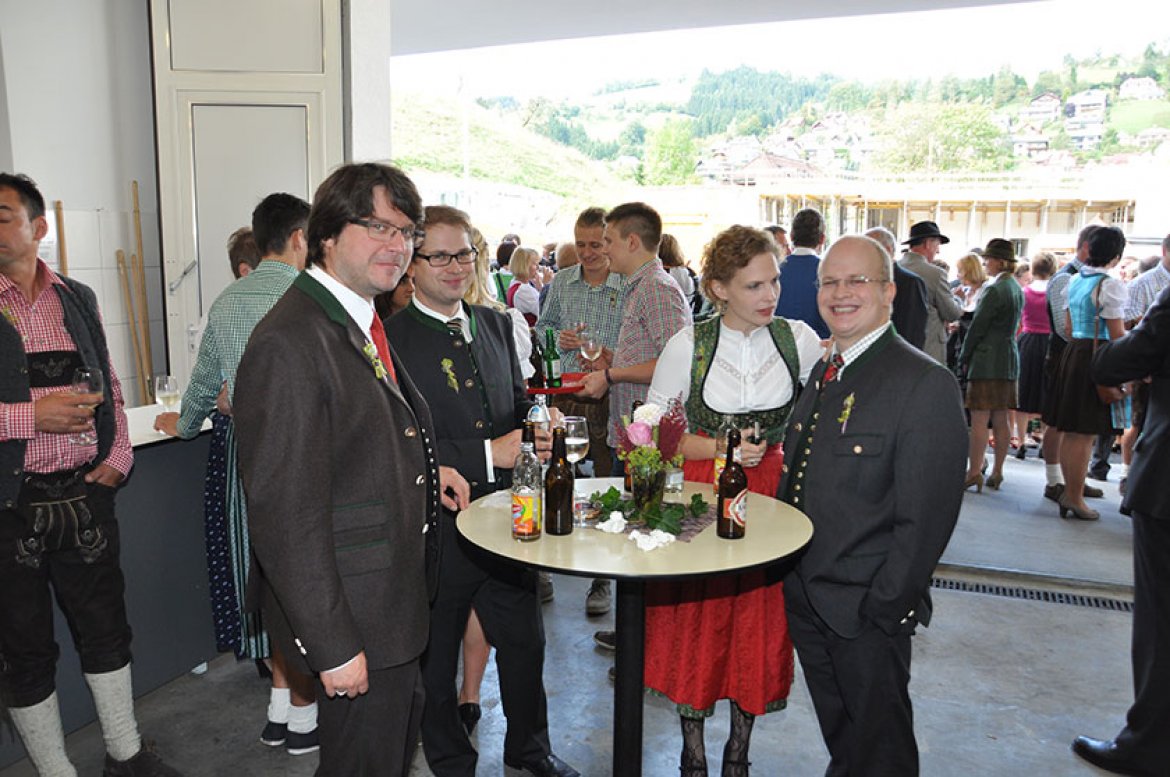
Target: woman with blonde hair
969	271
523	294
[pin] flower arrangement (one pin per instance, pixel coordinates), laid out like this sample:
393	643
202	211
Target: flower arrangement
652	438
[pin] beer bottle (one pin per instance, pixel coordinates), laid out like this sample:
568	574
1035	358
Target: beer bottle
731	509
721	452
558	488
552	359
526	488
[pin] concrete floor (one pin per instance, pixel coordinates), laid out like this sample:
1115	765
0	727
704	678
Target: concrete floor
1000	687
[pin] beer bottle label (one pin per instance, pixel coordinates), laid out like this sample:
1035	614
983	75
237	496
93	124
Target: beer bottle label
735	509
525	514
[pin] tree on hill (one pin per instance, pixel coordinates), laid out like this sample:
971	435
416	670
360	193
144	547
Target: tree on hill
671	154
940	138
720	99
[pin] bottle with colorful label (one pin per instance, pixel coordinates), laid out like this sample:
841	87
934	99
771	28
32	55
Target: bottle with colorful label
527	489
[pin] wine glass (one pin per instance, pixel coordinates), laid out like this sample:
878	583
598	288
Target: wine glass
576	446
590	345
87	380
166	393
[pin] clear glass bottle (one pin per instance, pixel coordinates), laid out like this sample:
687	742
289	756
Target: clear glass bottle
527	489
538	414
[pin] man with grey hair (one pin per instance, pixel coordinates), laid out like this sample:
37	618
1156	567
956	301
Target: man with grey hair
910	309
924	243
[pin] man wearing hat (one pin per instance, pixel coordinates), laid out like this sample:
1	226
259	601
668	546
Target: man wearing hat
992	360
924	243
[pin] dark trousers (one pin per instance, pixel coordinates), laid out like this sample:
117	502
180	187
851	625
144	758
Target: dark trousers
1148	721
61	537
860	691
1102	448
375	734
596	412
505	599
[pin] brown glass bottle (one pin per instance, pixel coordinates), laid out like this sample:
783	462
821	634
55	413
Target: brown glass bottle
731	508
558	488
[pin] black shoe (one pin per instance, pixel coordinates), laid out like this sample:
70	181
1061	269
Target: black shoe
545	587
274	734
605	639
469	714
145	764
297	743
1105	754
549	766
1054	492
613	674
1092	492
1102	476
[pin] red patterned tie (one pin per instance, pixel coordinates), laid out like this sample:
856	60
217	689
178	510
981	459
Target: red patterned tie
835	365
378	336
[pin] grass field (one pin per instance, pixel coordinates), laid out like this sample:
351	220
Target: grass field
428	134
1134	116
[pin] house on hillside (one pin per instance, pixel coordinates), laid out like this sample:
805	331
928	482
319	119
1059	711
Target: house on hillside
1087	136
769	167
1028	142
1042	109
1085	107
1152	137
1143	88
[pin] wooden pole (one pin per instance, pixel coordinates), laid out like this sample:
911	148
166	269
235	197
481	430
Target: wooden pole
122	273
138	262
62	253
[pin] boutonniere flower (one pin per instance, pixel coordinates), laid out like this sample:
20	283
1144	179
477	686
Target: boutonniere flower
375	361
846	411
8	314
448	370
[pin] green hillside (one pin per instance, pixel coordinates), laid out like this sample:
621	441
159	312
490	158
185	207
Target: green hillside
428	134
1135	116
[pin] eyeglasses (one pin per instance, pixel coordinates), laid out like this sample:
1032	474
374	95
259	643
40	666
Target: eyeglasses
466	256
854	283
383	232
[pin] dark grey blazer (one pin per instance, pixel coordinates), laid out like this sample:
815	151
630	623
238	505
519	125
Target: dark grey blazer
342	488
1144	352
910	306
882	488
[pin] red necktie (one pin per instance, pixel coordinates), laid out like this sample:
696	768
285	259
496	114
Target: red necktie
378	335
835	365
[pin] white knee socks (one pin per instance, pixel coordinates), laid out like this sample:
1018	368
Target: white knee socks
278	704
115	708
302	720
40	730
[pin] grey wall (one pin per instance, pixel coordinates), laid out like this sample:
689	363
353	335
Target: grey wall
5	135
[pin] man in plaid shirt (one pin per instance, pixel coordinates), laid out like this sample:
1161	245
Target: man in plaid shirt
654	311
57	524
278	225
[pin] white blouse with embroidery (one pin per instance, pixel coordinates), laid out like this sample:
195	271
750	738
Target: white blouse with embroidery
746	374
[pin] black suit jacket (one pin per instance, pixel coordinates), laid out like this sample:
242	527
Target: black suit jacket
477	391
910	306
882	486
342	488
1143	352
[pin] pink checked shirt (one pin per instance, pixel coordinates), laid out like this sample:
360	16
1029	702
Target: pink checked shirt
41	325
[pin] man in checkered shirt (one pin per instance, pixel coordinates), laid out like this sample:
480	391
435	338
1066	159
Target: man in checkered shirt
654	310
57	522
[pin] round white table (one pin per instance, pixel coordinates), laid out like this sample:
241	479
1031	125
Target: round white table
774	530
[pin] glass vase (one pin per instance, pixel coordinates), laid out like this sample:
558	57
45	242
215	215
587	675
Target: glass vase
647	485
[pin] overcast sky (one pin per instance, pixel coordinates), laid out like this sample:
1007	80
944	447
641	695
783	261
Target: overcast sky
966	42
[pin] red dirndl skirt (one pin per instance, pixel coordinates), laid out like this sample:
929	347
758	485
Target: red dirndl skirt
721	637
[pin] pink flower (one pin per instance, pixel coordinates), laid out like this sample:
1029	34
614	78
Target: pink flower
640	433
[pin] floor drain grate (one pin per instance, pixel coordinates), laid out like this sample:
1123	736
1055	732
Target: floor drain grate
1033	594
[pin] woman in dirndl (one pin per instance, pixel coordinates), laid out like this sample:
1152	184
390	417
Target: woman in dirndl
1096	304
726	637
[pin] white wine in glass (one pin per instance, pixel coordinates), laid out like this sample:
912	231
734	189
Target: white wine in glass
87	380
166	393
590	346
576	438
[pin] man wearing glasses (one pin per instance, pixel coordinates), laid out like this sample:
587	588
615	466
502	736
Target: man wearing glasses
875	455
343	487
463	358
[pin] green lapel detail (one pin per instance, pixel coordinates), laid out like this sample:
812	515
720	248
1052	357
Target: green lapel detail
430	322
321	295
